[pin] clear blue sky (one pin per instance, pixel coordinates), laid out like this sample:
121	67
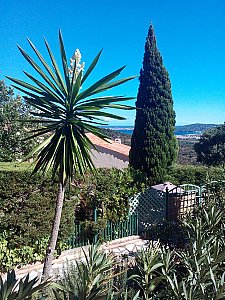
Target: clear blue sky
190	36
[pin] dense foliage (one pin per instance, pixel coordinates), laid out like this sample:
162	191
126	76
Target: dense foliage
27	208
109	191
153	144
13	288
90	278
211	147
26	213
199	175
66	108
194	272
13	112
104	196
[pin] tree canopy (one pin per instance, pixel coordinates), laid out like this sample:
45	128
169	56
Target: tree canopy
153	144
210	149
12	129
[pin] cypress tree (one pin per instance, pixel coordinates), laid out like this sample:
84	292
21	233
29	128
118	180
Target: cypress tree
153	144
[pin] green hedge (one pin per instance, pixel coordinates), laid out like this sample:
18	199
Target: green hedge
199	175
27	206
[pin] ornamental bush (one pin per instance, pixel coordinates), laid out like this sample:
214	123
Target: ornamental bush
199	175
109	191
27	207
105	196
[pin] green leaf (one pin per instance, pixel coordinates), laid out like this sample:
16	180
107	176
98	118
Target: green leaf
91	90
47	67
64	61
27	85
75	90
91	68
57	72
45	88
100	113
38	69
111	85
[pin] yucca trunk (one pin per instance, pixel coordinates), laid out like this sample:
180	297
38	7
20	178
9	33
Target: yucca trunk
54	232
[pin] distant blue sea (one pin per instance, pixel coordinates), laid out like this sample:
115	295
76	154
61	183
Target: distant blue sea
129	130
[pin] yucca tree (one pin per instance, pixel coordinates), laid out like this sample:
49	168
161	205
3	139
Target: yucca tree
66	113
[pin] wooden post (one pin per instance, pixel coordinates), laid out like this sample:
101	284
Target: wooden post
167	204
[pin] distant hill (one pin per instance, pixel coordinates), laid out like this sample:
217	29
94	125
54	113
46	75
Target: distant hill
194	127
114	134
125	136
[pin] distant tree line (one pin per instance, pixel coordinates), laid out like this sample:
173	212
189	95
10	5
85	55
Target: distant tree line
198	127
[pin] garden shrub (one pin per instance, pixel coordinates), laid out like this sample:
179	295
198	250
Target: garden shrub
109	190
27	207
194	272
199	175
105	196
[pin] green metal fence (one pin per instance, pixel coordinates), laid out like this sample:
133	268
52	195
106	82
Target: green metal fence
112	231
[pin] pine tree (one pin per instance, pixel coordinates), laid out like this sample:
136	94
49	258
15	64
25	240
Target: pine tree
153	144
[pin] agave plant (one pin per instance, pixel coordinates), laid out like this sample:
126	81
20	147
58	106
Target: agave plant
65	114
203	260
15	289
90	279
149	264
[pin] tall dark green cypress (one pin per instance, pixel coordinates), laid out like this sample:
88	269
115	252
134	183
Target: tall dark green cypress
153	144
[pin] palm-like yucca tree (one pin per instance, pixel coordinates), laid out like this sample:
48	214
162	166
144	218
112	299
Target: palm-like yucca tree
66	113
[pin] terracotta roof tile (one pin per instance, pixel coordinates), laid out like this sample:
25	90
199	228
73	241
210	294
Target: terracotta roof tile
112	145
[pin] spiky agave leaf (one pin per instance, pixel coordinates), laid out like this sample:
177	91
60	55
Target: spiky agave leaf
19	289
65	112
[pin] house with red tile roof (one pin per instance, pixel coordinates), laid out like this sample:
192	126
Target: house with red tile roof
110	154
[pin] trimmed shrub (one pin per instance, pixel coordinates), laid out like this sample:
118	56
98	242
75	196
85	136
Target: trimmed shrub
27	207
199	175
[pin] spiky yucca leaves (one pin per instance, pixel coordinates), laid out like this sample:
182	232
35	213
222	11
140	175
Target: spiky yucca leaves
15	289
66	114
204	258
90	279
148	264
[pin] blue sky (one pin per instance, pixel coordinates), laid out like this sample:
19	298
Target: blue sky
190	36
